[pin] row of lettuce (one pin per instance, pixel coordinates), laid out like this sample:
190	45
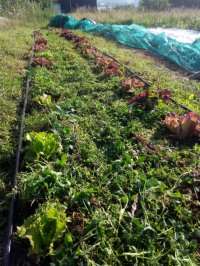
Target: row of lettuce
75	192
181	127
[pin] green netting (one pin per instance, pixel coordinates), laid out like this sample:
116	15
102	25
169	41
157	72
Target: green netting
186	55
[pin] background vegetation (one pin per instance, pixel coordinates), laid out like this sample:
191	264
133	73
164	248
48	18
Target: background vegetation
24	13
151	13
176	18
12	4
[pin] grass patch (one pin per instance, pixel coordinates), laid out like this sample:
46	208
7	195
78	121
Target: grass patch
14	50
14	53
15	43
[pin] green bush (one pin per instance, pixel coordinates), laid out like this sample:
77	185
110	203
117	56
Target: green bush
27	12
45	3
13	4
154	4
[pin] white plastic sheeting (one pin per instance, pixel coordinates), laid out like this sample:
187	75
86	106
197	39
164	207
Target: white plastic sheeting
184	36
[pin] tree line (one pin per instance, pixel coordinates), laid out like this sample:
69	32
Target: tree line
166	4
185	3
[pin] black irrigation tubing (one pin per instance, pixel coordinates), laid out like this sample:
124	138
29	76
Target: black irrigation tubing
147	82
17	162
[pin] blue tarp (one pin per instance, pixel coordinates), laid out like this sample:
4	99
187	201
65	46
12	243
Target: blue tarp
186	55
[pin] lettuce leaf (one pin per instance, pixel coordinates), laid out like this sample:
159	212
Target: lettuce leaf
42	144
182	127
44	228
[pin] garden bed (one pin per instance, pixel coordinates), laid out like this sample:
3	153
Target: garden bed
107	183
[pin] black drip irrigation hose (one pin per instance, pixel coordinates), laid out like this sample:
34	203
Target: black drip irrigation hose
129	70
147	83
7	250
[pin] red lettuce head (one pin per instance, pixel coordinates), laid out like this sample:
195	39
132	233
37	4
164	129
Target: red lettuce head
182	127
